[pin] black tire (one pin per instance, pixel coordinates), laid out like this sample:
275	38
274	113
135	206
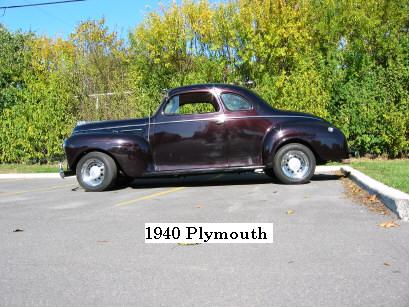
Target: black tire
123	180
105	167
270	173
288	175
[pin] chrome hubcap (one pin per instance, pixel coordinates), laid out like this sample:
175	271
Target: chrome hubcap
92	172
295	164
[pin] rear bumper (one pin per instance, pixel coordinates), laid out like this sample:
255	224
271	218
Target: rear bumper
63	173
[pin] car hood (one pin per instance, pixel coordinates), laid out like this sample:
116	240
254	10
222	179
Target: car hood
111	125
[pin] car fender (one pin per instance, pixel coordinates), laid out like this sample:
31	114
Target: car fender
131	152
326	144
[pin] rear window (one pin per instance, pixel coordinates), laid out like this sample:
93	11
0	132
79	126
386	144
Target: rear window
235	102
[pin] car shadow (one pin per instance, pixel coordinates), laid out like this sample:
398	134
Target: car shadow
325	177
224	179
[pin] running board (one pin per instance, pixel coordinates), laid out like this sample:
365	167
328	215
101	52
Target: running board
201	171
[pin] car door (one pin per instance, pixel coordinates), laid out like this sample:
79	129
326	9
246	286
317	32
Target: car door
189	133
245	131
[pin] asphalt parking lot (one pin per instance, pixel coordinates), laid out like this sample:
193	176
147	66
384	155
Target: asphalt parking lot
80	248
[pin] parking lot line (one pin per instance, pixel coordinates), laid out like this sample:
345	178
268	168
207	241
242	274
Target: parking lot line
37	190
131	201
128	202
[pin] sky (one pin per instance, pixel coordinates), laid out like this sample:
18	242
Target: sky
60	20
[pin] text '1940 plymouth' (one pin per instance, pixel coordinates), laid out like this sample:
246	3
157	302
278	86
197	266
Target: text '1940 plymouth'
203	129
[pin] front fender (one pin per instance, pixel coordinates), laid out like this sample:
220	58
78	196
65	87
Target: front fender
326	145
131	152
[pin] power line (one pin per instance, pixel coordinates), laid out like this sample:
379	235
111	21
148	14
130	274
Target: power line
51	15
38	4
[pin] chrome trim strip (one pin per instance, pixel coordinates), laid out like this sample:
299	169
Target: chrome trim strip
203	170
200	119
185	120
258	116
137	129
233	117
117	127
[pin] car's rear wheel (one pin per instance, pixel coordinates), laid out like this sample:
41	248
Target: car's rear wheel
96	172
294	164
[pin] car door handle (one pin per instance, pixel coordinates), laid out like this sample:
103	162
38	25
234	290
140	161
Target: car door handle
220	120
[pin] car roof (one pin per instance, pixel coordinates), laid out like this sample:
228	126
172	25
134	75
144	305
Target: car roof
206	86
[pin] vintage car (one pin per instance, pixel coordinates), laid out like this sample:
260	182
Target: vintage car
202	129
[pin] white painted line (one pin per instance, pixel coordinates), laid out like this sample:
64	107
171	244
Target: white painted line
29	176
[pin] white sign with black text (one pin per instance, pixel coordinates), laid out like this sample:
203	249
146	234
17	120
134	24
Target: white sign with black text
208	232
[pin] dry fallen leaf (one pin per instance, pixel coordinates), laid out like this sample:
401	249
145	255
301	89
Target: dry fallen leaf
388	224
289	212
372	197
370	201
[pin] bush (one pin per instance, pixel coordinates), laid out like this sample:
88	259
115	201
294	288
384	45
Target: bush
373	112
346	61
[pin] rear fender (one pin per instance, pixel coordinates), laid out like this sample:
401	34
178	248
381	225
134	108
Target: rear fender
276	137
325	144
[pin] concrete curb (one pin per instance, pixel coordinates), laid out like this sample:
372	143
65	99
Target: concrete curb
327	169
394	199
30	176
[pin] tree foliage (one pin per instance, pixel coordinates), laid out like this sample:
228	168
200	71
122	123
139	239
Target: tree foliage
346	61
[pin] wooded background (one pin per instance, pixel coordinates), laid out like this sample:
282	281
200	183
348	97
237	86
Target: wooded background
346	61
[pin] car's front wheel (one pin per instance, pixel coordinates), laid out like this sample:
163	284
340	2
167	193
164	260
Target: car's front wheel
294	164
96	172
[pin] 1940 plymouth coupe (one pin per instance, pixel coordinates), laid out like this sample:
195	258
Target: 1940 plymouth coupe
202	129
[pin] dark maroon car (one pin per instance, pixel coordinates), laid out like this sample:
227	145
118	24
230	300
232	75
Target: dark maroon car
202	129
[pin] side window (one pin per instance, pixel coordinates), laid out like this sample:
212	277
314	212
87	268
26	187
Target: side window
191	103
235	102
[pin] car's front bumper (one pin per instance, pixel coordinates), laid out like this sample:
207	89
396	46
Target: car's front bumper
64	173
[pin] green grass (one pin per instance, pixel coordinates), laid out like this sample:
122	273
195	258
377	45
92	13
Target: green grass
28	168
394	173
